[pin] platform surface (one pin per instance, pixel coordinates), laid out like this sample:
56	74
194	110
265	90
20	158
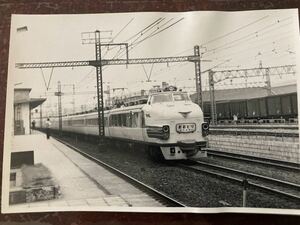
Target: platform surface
82	182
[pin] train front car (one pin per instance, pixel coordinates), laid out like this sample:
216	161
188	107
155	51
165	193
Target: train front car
174	126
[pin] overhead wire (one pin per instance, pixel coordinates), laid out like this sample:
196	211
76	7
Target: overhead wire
236	30
131	46
248	35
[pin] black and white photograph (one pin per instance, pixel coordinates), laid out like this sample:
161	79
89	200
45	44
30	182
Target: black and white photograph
153	112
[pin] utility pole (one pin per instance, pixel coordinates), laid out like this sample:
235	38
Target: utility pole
41	116
268	82
99	86
198	76
73	98
58	94
213	111
108	96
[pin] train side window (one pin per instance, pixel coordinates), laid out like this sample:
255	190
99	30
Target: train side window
105	121
115	121
78	122
112	119
135	119
92	122
119	123
109	121
123	116
139	120
128	119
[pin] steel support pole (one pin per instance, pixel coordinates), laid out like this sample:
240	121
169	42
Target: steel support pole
198	76
74	99
268	81
59	107
213	113
41	116
99	87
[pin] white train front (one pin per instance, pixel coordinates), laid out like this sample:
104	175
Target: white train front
169	124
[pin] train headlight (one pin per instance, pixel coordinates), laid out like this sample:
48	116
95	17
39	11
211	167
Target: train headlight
166	129
166	132
205	129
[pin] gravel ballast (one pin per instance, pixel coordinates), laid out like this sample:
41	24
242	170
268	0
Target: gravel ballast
189	188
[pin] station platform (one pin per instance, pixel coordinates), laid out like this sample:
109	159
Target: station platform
81	181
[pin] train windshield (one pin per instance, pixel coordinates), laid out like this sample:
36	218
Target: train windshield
166	97
169	97
181	97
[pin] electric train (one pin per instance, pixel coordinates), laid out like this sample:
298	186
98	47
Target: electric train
168	123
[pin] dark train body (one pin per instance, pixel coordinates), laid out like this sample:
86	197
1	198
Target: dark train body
278	107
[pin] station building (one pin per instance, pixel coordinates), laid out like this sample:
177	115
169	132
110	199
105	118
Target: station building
23	105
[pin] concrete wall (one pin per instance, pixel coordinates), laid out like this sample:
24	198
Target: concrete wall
21	95
278	148
24	116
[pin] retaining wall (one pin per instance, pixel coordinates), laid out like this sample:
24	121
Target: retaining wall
278	148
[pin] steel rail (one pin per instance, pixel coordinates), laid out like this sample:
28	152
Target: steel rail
253	159
251	183
161	197
258	127
249	132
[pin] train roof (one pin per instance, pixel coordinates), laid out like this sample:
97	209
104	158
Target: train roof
121	109
247	93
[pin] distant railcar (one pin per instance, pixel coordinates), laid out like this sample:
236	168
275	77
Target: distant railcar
270	107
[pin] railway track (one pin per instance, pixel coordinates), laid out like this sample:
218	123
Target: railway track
157	195
262	132
281	188
252	159
258	126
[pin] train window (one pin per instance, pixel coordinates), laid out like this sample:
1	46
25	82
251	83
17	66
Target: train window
105	121
112	119
128	119
92	122
119	120
181	97
78	122
166	97
135	119
123	120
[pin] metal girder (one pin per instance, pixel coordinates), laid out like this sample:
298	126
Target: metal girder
104	62
253	72
52	64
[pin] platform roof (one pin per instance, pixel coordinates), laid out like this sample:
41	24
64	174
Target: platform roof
33	102
247	93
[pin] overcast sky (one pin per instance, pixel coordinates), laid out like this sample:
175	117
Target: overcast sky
230	40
